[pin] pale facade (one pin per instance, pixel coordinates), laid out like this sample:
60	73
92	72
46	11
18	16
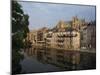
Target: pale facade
31	36
64	40
70	35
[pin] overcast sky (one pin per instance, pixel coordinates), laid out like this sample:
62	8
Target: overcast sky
48	15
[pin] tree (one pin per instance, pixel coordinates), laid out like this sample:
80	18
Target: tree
19	32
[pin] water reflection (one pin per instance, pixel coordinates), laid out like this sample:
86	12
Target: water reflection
64	60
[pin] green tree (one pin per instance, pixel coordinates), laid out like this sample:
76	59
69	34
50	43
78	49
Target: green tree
19	32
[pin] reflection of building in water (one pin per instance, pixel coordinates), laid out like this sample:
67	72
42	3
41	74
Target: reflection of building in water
68	35
61	58
67	60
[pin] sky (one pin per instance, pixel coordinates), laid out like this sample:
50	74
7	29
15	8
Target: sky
48	15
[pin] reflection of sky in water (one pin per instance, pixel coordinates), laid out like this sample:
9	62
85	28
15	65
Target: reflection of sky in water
36	60
44	14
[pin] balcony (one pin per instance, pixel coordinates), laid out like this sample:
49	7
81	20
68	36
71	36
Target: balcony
67	35
49	35
60	40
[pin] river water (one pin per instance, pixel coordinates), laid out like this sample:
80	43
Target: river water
38	60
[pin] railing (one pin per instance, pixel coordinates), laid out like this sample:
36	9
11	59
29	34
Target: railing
69	35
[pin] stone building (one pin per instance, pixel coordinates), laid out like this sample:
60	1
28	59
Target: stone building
84	38
31	36
68	35
37	37
64	40
77	23
63	37
91	31
41	36
88	36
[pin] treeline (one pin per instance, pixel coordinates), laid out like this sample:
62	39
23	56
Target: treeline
19	32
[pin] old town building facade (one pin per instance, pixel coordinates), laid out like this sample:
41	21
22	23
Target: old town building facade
69	35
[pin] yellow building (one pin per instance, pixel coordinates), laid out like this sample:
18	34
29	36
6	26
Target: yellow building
65	35
64	40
